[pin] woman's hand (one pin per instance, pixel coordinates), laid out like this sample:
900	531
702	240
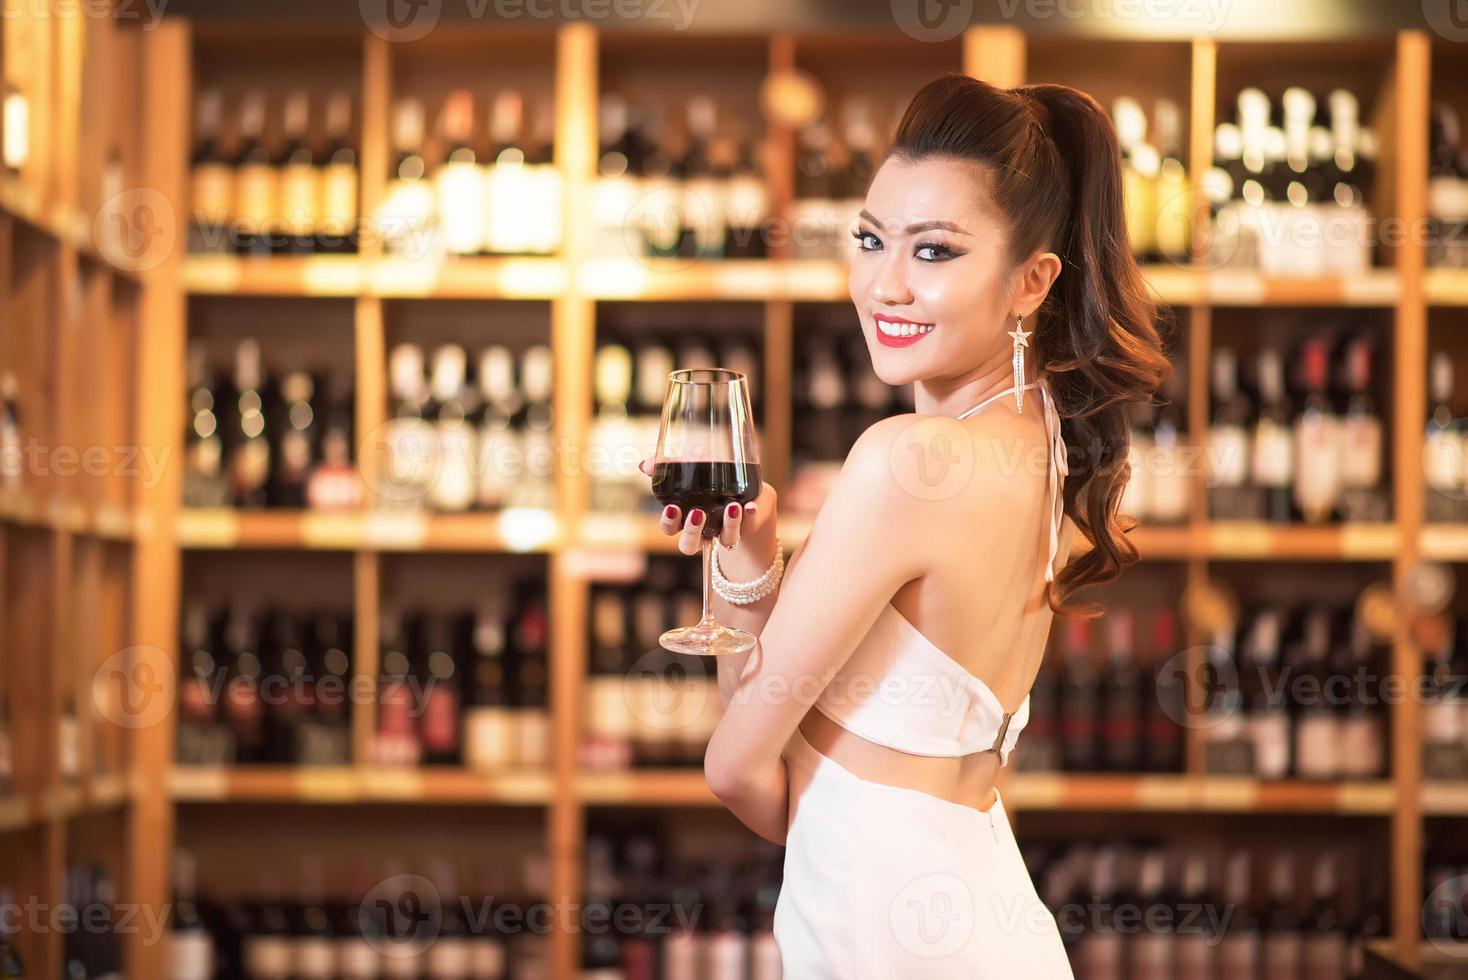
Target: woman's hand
740	523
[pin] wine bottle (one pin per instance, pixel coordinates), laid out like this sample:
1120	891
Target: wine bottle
250	457
459	181
211	178
337	220
406	219
257	182
489	725
204	480
300	181
455	486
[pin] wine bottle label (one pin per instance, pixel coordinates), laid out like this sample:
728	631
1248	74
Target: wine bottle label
613	200
1282	955
1274	454
1136	498
747	202
658	216
704	214
764	959
726	956
190	956
608	715
357	959
315	958
1169	485
1238	955
251	465
213	194
406	219
1318	739
461	208
339	198
456	486
680	957
532	738
267	956
257	195
300	199
1442	721
1228	456
487	958
1361	748
1317	464
1442	460
509	200
1140	207
547	191
410	462
1361	451
1270	735
489	739
448	957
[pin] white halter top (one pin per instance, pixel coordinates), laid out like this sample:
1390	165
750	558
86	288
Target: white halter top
899	690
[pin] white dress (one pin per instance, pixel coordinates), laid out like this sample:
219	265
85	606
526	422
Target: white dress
887	883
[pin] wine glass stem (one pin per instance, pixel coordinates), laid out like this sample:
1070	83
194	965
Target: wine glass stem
708	577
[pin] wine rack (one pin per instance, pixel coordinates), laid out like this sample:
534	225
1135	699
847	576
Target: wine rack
99	336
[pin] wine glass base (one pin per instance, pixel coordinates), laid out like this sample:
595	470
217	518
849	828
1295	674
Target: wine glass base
707	641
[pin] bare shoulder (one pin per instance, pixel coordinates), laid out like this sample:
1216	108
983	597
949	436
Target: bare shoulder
935	461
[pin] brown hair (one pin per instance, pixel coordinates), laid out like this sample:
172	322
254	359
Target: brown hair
1053	169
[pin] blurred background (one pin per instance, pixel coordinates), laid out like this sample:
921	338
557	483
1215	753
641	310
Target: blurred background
330	338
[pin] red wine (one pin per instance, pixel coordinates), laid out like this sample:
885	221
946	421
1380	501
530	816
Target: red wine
706	486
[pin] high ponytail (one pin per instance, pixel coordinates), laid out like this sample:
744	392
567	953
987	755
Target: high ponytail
1052	165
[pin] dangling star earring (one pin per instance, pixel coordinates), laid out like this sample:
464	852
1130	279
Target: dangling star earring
1021	341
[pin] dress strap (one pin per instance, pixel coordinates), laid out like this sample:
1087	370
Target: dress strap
1059	463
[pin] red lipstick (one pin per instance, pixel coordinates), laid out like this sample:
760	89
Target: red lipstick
913	330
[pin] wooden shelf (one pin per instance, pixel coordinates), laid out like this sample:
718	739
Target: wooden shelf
1265	542
515	530
1047	791
106	521
1444	542
1446	287
1445	799
349	276
650	787
100	795
751	280
349	784
1215	794
63	225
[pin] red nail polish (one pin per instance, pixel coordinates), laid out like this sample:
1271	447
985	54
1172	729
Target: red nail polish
697	519
670	512
733	511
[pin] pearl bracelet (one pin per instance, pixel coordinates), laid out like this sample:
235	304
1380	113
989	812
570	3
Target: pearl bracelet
745	593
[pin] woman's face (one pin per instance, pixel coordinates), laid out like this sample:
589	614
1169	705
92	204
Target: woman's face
928	276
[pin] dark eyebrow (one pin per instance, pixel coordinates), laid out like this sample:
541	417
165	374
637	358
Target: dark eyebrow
920	226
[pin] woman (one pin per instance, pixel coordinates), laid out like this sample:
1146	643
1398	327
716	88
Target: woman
992	249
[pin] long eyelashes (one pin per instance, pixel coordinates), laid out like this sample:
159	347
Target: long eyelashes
938	252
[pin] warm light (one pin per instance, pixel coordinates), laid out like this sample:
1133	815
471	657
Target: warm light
16	126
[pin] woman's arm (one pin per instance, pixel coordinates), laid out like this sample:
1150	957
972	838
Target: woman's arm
863	546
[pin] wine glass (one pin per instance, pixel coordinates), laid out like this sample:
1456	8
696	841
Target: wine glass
707	456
